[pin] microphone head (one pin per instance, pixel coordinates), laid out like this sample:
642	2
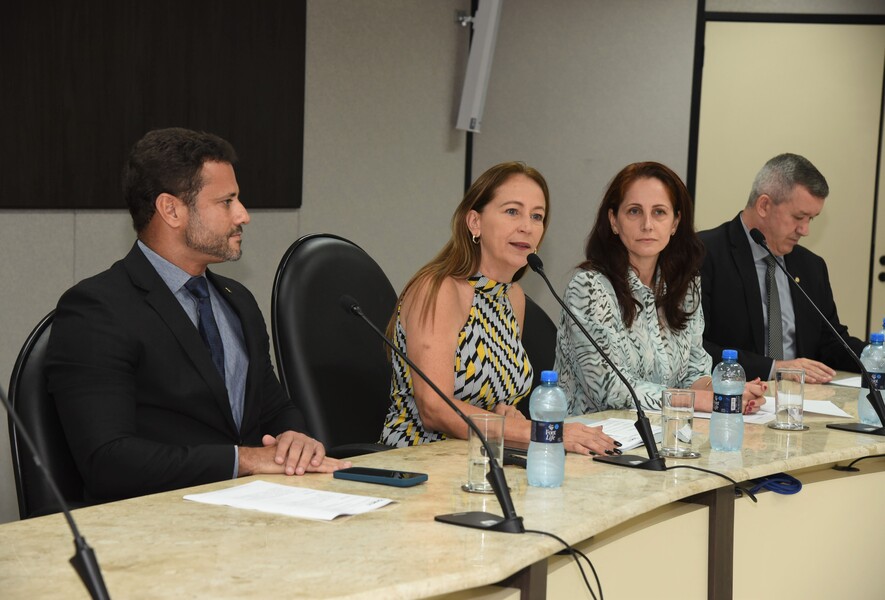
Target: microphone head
758	237
349	304
535	262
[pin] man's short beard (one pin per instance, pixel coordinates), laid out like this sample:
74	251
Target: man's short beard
197	238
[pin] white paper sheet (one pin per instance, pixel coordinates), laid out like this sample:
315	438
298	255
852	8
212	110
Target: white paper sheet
766	411
760	418
848	381
622	430
290	501
818	407
824	407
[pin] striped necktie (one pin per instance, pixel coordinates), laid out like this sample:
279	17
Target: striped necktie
775	327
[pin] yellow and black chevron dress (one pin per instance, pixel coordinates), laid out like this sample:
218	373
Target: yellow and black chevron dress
491	365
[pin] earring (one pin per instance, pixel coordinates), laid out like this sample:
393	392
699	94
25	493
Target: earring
614	231
475	239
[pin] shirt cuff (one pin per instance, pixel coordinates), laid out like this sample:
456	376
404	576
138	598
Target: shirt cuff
236	462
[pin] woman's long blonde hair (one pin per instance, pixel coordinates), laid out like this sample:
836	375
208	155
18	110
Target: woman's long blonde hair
460	257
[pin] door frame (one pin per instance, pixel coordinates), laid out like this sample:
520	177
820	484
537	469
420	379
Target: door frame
703	17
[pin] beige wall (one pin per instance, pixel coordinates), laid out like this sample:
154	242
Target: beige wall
823	7
812	89
877	314
579	88
381	162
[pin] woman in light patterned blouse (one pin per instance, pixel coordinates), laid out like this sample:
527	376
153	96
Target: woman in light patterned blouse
460	319
638	294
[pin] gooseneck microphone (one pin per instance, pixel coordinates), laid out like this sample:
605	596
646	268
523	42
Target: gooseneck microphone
510	523
84	560
654	462
875	395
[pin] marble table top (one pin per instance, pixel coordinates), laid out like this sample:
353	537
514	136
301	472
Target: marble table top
162	546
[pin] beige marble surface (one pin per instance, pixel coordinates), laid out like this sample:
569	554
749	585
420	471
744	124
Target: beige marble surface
161	546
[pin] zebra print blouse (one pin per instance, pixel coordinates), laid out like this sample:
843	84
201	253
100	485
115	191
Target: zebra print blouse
651	355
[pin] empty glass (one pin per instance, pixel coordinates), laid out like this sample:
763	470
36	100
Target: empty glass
789	398
492	428
677	417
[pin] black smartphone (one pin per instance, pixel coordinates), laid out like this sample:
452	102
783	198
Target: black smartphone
382	476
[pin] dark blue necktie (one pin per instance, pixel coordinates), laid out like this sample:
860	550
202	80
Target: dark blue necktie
199	288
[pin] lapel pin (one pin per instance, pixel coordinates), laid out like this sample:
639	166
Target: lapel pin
796	279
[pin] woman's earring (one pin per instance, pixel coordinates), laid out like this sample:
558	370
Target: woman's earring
475	239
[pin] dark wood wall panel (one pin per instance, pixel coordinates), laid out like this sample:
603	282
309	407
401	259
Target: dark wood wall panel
82	80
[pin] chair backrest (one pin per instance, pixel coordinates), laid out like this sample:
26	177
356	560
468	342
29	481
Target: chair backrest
539	341
36	409
331	363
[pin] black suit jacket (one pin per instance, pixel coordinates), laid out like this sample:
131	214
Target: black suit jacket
142	405
733	304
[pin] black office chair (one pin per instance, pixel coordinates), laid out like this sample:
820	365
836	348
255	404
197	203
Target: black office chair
330	362
36	409
539	341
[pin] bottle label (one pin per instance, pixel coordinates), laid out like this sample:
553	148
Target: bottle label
878	380
723	403
547	433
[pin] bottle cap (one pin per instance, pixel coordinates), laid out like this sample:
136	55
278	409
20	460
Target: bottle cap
729	355
875	338
549	376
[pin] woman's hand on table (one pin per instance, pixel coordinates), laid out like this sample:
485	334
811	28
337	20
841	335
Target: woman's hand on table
754	396
583	439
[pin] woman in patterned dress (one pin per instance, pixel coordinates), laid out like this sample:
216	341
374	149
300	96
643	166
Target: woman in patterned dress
638	293
460	319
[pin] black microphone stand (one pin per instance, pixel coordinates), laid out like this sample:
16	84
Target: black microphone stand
654	462
874	395
84	560
510	522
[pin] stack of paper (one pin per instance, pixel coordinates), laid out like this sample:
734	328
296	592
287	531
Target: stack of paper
291	501
766	411
622	430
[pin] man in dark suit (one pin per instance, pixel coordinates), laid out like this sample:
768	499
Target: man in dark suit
737	276
159	368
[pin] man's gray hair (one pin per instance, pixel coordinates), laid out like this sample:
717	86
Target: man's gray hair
781	174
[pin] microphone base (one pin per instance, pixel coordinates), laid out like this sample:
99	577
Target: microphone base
483	520
858	428
86	565
634	462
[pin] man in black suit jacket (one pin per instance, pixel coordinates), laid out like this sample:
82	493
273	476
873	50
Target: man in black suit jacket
142	403
787	194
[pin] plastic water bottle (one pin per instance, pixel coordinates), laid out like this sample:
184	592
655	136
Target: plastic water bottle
873	359
727	420
546	456
883	327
